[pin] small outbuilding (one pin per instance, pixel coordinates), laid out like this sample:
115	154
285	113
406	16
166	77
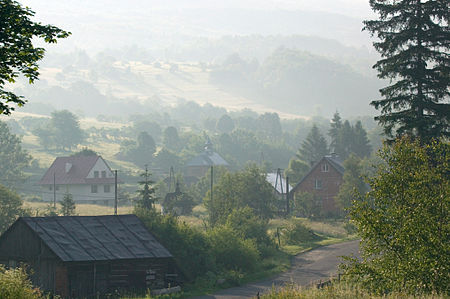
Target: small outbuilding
84	256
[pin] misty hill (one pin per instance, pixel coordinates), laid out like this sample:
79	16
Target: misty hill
298	82
287	82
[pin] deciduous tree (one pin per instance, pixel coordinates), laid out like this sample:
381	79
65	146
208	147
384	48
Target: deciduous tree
404	221
18	55
10	208
13	159
247	188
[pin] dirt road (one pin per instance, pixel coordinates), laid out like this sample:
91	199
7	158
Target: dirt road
317	264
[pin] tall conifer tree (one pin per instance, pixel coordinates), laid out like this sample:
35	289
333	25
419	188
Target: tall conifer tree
336	125
314	147
414	42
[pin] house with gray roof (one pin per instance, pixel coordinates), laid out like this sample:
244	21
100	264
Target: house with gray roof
200	164
88	178
87	256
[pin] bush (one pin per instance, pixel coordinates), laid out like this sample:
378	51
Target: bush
231	251
14	284
249	226
189	246
296	232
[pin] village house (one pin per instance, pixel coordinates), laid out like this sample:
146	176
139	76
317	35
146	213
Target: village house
323	180
200	164
88	179
87	256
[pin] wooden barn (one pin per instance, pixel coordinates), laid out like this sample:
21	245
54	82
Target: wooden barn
84	256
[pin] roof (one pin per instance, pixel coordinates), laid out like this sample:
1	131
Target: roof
333	160
207	158
81	165
279	184
96	238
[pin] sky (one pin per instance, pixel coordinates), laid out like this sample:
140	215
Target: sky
109	23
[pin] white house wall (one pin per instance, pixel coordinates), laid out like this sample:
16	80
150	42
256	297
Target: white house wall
80	193
100	166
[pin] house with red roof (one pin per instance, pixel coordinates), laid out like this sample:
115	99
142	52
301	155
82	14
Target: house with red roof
88	179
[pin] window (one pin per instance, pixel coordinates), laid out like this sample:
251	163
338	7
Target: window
56	188
325	167
96	174
318	184
106	188
103	173
93	188
50	188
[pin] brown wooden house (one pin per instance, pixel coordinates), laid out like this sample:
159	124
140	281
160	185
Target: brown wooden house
324	180
85	256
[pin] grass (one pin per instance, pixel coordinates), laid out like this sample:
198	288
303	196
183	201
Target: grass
336	291
83	209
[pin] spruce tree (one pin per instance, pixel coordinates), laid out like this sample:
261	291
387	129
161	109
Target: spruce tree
414	44
314	147
67	205
361	144
345	140
147	197
336	125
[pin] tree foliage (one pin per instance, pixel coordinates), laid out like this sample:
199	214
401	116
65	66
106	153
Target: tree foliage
13	159
404	221
67	205
414	45
17	52
353	183
247	188
147	196
314	147
347	139
62	131
10	208
296	170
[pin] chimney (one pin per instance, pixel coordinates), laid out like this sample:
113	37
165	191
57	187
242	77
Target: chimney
68	167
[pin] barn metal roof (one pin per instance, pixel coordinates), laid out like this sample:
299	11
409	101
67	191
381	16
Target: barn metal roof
207	158
97	238
278	183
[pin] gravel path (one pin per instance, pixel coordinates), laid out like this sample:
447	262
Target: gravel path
314	265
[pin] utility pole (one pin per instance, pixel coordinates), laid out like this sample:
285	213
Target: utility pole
115	192
54	190
288	210
211	183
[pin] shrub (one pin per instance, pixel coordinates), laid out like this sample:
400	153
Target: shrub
14	284
231	251
296	232
188	245
249	226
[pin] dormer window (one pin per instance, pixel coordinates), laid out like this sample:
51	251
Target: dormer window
325	167
96	174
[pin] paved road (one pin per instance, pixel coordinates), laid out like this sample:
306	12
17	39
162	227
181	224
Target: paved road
317	264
